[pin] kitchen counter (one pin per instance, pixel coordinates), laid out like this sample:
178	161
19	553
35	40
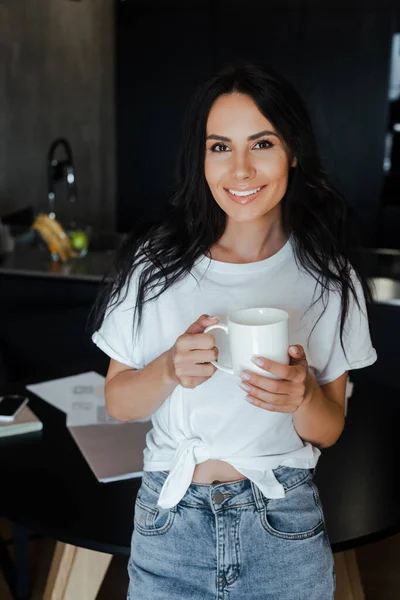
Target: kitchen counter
36	262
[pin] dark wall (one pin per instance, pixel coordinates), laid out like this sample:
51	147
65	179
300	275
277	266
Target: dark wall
56	79
337	56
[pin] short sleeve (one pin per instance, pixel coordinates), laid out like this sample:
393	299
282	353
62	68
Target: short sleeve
118	336
356	339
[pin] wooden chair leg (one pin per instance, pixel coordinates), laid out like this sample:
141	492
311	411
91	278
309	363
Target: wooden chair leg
75	573
348	580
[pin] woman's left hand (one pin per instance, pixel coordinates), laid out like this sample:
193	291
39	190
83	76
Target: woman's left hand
287	394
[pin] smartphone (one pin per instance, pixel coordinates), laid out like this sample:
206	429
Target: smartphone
10	406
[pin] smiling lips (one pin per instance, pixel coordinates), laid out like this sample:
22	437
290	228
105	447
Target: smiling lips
244	196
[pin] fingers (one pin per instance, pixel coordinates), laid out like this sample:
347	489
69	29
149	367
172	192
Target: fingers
270	407
201	323
297	351
264	395
202	370
272	386
276	368
278	395
195	363
297	355
197	356
198	374
272	401
193	352
195	341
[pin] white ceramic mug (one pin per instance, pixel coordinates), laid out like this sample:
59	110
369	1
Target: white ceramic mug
255	332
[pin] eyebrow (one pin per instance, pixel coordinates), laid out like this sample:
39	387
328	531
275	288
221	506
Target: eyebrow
255	136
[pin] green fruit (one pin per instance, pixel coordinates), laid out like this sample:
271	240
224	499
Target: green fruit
79	240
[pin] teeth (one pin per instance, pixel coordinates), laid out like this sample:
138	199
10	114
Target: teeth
247	193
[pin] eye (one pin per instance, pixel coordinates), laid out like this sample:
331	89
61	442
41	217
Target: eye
264	144
219	147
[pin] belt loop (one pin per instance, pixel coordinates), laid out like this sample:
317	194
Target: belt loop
258	497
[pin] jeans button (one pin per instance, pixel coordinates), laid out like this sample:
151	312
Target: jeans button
218	497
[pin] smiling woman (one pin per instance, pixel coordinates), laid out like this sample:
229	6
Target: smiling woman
246	170
241	166
228	504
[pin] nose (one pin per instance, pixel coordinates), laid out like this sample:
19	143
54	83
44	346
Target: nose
243	168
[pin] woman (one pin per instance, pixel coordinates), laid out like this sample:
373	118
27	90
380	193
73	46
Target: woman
227	506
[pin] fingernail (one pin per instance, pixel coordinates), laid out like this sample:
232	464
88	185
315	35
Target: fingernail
244	386
212	317
244	375
294	349
257	361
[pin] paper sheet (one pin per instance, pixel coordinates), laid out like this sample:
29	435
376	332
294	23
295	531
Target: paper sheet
81	397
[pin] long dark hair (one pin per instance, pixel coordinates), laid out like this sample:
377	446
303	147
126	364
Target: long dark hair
312	209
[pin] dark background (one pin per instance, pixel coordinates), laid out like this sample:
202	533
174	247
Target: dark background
115	77
336	53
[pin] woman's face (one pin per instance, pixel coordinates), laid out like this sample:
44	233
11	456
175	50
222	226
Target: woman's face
246	161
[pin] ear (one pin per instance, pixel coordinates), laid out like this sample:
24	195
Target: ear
294	162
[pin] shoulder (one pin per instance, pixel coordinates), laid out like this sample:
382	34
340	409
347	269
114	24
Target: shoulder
329	296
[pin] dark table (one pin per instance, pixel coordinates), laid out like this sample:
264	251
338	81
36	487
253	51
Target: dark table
48	488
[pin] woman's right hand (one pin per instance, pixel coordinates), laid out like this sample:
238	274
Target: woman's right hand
192	352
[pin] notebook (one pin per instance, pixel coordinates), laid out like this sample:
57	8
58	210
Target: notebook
113	452
25	422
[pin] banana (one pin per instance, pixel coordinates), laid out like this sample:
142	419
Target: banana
55	237
52	240
64	243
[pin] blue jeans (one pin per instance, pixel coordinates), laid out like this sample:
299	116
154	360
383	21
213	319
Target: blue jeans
226	541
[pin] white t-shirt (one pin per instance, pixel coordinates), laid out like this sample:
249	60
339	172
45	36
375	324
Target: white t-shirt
214	421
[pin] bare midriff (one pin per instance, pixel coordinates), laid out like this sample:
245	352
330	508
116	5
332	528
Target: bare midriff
215	470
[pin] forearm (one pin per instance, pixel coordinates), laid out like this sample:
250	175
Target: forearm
319	420
132	395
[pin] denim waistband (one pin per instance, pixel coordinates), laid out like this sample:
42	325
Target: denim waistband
228	494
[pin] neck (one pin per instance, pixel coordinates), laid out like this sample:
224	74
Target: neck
249	242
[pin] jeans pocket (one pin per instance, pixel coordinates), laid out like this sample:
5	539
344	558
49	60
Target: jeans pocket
149	518
297	516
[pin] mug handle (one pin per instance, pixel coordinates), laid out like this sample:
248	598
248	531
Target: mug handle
214	362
